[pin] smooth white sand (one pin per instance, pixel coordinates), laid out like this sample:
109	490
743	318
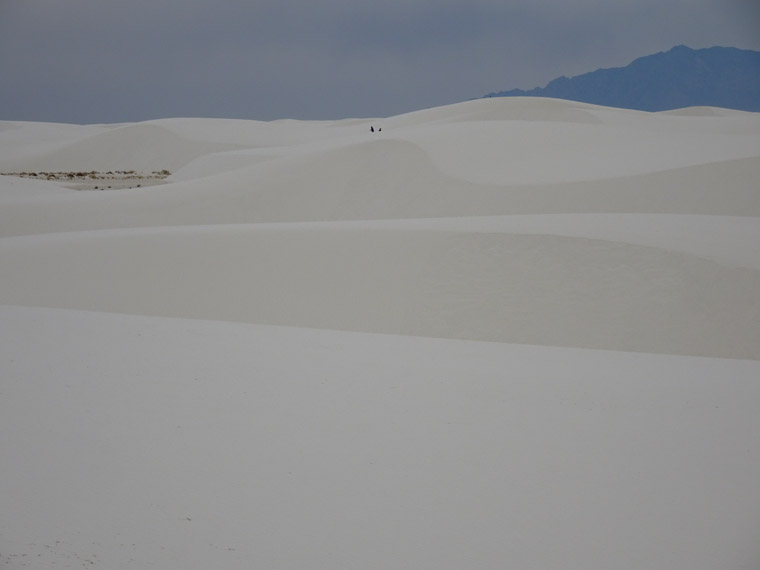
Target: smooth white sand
548	229
537	289
140	442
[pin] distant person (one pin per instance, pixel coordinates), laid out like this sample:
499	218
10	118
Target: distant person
371	129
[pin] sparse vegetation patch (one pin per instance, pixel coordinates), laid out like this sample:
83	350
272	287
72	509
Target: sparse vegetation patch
106	180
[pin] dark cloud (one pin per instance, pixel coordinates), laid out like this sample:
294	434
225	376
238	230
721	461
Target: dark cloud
113	61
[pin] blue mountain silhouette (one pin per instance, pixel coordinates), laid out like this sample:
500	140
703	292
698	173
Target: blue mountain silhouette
681	77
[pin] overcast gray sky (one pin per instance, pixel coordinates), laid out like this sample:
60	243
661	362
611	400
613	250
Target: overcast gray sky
105	61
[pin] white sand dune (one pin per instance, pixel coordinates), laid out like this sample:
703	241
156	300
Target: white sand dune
21	140
138	442
505	333
537	289
143	147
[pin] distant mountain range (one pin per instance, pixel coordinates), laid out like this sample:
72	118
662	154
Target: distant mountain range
681	77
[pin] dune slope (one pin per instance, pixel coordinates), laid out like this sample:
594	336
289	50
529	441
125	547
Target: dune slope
504	333
482	158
